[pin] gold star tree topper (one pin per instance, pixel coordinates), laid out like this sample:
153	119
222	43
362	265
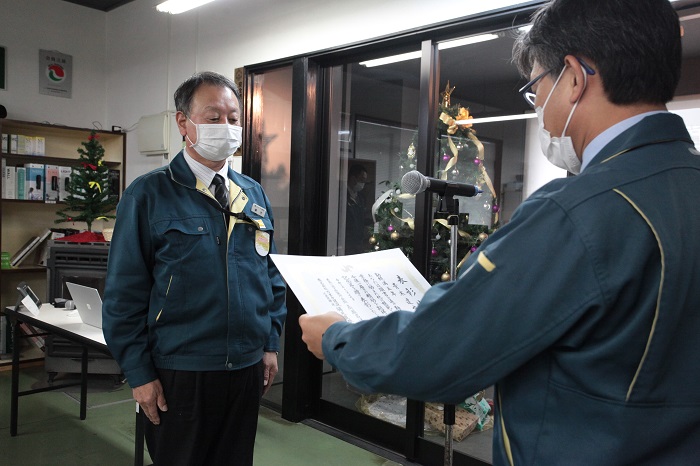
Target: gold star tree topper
446	95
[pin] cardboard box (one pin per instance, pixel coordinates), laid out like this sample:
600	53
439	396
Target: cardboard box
64	174
35	181
21	183
465	422
52	183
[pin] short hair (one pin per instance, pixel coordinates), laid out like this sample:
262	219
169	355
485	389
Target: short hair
356	170
185	92
634	44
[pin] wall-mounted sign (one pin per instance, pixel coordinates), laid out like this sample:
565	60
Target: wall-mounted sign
55	73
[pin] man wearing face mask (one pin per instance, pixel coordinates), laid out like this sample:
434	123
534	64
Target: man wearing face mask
357	217
583	310
194	306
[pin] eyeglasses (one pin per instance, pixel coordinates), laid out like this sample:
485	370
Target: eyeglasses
526	90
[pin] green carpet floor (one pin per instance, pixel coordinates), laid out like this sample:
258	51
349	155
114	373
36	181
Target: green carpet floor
51	433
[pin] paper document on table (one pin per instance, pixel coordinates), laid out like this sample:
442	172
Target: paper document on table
359	287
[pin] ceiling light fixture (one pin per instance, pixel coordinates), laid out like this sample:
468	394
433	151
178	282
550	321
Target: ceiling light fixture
391	59
442	45
467	41
475	121
175	7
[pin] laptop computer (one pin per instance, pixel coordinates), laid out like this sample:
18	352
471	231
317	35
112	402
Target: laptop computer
88	303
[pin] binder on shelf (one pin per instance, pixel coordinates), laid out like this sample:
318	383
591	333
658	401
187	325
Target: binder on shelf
28	248
10	180
56	233
4	178
13	143
31	334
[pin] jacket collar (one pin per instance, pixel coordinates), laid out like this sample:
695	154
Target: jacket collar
180	173
662	127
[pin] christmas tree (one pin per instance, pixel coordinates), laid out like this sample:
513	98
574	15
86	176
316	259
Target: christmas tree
460	157
89	195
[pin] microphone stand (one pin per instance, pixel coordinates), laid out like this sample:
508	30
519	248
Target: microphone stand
447	204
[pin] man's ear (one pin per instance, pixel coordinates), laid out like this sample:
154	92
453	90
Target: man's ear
181	120
577	78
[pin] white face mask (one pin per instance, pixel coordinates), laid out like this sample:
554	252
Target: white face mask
560	151
216	142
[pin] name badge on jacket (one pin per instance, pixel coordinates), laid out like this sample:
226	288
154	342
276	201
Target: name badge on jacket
256	209
262	242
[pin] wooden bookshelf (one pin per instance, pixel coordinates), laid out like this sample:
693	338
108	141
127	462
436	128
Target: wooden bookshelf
22	219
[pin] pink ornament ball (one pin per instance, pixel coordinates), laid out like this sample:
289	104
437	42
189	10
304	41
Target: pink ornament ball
495	209
477	161
390	228
473	248
434	252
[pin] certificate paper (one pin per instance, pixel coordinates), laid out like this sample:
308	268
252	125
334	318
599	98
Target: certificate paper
358	287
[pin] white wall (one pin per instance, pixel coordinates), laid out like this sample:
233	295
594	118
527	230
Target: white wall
26	26
149	53
128	62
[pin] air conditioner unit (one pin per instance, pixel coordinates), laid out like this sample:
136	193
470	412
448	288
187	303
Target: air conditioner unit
154	134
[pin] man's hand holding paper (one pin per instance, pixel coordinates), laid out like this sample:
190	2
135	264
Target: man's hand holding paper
313	328
354	288
358	287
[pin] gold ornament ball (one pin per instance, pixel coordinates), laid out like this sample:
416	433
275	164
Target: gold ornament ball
483	236
445	277
395	236
373	240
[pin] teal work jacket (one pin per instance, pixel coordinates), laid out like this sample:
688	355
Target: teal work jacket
181	292
584	311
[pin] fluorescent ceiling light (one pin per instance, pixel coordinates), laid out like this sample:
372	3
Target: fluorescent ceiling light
175	7
441	46
519	116
466	41
689	17
391	59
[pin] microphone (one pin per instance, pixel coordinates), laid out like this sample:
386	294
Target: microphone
415	182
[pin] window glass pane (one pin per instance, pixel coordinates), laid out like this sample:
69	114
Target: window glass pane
478	81
273	102
373	113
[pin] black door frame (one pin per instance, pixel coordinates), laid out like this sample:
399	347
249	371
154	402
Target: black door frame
309	180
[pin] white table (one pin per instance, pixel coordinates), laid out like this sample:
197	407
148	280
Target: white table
68	325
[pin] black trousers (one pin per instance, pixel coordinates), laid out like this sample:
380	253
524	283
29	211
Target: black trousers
212	418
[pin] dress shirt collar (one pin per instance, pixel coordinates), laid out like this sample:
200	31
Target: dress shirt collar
202	172
609	134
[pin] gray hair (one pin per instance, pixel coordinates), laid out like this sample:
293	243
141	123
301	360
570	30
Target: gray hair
635	45
184	93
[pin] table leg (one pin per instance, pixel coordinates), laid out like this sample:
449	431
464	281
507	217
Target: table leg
138	440
83	384
14	396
